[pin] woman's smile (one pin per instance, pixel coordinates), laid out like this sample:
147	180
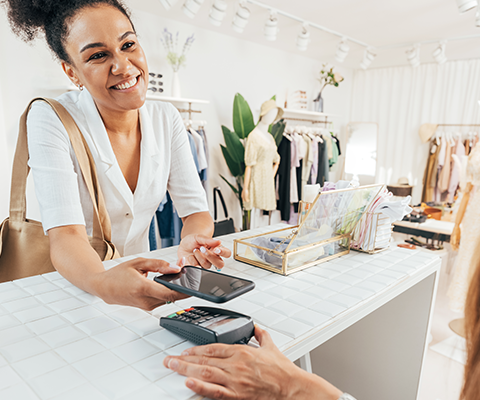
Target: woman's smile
126	85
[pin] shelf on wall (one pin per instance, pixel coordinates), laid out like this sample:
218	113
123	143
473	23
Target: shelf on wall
305	113
176	99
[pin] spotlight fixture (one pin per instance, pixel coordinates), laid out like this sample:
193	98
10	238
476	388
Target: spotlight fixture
191	7
217	12
303	38
168	3
413	56
342	50
271	28
439	53
466	5
368	57
240	20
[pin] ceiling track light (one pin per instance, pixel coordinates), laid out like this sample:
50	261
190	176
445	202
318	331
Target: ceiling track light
240	20
439	53
368	56
342	50
217	12
191	7
413	56
466	5
303	38
271	27
168	3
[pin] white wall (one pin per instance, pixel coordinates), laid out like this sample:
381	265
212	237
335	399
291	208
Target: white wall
218	66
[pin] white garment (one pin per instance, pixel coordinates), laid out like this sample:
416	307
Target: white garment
166	162
200	146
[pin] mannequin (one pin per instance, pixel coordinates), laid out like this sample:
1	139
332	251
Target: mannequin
466	223
261	161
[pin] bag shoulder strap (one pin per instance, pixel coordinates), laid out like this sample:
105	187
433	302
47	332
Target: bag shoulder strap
101	219
216	191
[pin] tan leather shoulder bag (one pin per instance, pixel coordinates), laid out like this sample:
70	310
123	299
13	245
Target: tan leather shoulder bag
24	248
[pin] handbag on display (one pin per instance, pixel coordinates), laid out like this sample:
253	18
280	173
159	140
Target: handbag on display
221	227
24	248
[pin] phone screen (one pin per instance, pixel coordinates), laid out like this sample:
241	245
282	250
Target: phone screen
206	282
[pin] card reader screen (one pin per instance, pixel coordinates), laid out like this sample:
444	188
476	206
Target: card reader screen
224	323
205	281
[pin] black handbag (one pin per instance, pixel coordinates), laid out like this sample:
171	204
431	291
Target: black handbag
221	227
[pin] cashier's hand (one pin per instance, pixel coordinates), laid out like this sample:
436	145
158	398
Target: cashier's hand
200	250
127	284
237	372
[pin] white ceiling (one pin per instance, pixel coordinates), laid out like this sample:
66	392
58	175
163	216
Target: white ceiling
376	22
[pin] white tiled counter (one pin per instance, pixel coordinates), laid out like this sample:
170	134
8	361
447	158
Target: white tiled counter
58	342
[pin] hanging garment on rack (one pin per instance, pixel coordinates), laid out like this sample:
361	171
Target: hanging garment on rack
440	161
334	158
470	238
295	163
307	163
328	140
337	143
283	179
444	175
200	150
430	172
322	175
261	154
455	175
314	170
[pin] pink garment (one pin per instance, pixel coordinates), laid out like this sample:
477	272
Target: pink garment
437	195
314	149
455	176
295	162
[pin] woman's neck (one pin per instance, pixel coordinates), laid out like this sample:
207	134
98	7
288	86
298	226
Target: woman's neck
124	123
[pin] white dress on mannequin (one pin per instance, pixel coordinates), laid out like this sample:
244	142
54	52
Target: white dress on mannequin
470	238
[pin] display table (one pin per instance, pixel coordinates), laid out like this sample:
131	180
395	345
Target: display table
430	229
364	318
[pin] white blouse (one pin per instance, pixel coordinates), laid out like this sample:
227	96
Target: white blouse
166	162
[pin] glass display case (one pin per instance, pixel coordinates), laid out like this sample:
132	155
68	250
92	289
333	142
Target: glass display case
324	232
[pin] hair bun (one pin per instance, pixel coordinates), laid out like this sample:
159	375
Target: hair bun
28	17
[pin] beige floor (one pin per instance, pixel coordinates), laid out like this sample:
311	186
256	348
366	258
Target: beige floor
442	376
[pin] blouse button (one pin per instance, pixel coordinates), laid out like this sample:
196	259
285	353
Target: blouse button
127	214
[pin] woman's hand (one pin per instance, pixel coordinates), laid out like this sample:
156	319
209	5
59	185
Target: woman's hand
200	250
127	284
227	372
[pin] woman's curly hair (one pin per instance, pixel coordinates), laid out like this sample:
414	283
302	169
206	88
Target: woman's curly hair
29	18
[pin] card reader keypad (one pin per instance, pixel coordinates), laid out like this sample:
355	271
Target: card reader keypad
193	315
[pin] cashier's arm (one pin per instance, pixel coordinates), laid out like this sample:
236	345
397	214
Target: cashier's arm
125	284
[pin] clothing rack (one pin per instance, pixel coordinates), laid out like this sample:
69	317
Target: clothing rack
311	120
458	125
188	110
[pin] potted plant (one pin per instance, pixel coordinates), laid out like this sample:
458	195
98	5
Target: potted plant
234	149
327	77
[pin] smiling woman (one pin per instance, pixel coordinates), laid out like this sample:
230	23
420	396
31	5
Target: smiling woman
140	150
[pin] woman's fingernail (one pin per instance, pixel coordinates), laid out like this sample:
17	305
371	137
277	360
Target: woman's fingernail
203	250
184	261
173	364
194	250
217	251
185	353
190	383
175	267
219	269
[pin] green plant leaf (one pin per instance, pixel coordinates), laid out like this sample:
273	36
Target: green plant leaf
234	145
235	190
274	97
242	117
233	166
277	131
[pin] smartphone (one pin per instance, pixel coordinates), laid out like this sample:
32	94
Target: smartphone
205	284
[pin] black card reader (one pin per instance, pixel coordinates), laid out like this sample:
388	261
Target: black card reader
205	325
